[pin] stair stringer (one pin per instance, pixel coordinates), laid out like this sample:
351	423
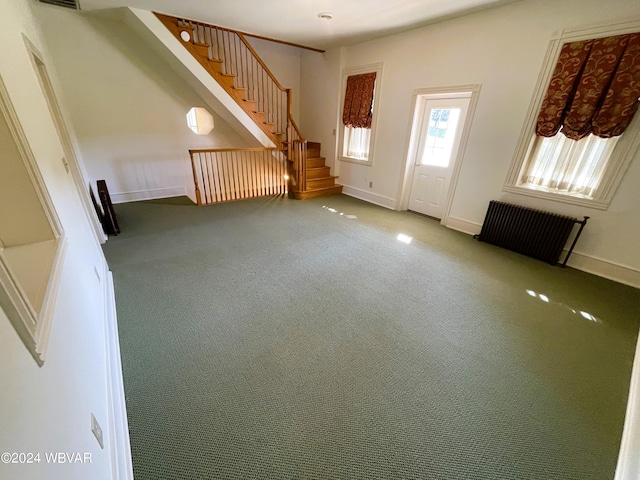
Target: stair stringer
151	29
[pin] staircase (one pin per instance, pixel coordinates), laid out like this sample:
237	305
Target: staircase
228	57
319	182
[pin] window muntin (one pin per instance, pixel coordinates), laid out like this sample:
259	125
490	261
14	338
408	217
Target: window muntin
441	133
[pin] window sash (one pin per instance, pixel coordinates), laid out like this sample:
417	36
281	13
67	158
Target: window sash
561	165
356	142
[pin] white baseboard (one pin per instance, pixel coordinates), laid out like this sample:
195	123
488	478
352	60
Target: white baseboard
370	197
579	261
604	268
628	467
464	226
121	465
123	197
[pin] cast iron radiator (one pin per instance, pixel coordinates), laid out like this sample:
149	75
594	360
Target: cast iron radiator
534	233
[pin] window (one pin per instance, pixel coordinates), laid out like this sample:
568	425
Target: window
441	133
572	167
357	132
356	142
580	138
199	121
31	238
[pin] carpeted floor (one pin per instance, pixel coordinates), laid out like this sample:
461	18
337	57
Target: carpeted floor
281	339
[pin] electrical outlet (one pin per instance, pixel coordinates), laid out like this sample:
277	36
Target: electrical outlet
97	431
370	184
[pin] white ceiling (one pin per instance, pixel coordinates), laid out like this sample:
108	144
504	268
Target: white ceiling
297	21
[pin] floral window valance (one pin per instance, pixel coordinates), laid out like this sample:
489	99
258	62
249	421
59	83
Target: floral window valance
594	88
358	100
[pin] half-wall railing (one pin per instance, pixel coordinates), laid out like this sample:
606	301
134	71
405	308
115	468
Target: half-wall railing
221	175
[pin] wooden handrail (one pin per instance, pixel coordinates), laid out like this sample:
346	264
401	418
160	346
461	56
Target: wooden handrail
283	42
262	64
249	149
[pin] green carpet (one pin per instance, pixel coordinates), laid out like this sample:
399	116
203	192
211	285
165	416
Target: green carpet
281	339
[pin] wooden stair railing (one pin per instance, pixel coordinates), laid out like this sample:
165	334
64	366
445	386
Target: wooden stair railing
231	60
221	175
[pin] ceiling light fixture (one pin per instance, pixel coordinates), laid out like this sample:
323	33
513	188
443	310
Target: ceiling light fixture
325	15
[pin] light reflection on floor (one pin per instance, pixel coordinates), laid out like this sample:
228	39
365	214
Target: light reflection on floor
404	238
401	236
342	214
582	313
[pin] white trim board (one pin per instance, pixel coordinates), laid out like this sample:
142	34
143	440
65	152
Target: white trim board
602	268
464	226
151	194
119	444
374	198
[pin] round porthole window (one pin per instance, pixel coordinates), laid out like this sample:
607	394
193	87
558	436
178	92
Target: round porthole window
200	121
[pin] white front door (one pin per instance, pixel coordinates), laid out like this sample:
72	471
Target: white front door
440	129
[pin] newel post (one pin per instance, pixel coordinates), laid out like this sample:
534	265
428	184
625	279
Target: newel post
195	179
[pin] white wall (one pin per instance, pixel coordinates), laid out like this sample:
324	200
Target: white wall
319	88
127	105
48	409
284	63
502	49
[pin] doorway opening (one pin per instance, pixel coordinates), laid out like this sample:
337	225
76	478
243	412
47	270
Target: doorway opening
439	130
70	160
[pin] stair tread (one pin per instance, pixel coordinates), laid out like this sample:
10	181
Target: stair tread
322	188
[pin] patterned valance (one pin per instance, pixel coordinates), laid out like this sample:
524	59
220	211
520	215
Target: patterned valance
358	100
594	88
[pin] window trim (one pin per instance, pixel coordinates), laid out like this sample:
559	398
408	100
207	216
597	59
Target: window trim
625	149
346	72
33	326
